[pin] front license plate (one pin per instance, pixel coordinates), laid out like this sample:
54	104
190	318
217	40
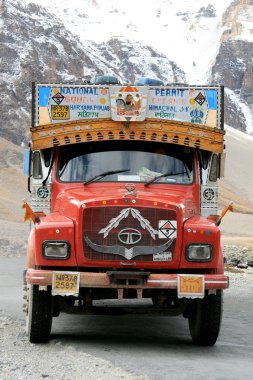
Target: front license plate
190	286
60	112
65	283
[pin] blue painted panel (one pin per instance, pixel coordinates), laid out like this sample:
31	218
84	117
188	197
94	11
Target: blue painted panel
44	94
212	99
26	162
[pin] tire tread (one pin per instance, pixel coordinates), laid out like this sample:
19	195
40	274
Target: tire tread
205	322
40	315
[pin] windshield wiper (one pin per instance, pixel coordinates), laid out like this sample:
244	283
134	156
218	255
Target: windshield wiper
164	175
99	176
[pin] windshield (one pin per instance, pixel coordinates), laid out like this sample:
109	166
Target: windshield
134	161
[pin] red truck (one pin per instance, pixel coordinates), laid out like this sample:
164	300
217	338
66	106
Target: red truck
123	183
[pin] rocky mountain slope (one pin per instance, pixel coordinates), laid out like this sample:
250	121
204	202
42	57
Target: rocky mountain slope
35	46
234	67
188	42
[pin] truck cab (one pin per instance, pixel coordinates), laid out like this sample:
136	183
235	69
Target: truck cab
124	205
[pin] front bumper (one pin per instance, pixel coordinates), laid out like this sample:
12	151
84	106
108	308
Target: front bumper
106	280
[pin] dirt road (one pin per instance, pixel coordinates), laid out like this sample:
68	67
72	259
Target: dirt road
88	347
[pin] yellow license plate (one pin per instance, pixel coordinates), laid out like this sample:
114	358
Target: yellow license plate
60	112
191	286
65	283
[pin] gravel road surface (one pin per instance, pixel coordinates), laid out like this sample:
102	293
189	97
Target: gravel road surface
125	347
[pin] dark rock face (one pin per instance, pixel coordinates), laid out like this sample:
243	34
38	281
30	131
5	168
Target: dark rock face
35	47
234	115
234	66
234	69
208	11
133	60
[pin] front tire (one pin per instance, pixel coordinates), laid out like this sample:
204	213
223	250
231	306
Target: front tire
205	319
39	314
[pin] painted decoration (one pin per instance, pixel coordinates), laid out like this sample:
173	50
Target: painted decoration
128	103
193	105
167	229
57	103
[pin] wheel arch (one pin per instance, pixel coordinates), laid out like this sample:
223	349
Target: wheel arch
30	259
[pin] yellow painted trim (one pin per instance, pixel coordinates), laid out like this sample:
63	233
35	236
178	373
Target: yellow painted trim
154	130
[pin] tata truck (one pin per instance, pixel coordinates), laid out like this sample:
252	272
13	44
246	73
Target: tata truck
124	205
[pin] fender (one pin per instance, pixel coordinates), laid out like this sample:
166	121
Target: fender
220	266
30	260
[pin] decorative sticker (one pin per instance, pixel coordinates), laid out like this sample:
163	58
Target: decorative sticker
209	194
200	98
167	229
42	192
128	103
58	98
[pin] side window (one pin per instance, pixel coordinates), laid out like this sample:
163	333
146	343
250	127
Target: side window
37	167
214	169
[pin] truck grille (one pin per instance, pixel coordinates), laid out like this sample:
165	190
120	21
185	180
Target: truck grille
126	231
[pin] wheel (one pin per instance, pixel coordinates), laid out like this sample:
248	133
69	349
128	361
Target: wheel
205	319
39	314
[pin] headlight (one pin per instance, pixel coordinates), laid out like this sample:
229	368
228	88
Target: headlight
199	252
56	249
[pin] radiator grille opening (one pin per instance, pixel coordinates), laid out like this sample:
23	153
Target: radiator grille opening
99	228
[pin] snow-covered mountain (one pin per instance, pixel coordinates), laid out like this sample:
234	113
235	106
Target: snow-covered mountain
195	42
187	32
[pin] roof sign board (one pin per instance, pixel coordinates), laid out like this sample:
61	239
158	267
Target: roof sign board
57	103
193	105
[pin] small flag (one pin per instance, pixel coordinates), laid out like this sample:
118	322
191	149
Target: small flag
224	211
30	215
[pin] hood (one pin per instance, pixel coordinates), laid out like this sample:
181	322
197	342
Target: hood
68	201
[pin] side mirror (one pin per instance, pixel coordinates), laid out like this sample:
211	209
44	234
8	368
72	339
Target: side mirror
222	164
26	163
215	168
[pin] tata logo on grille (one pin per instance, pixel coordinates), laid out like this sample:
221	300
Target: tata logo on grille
129	236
